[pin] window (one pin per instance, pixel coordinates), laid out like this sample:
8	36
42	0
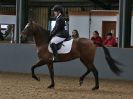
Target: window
4	26
7	32
52	25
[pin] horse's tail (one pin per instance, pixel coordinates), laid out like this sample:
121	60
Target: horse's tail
111	62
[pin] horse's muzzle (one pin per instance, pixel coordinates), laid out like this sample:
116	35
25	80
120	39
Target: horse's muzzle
23	38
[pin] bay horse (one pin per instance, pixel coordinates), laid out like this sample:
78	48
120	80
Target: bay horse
82	48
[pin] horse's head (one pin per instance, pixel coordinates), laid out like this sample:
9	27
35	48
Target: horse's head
27	31
32	28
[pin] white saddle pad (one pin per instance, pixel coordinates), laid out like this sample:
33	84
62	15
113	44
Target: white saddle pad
65	48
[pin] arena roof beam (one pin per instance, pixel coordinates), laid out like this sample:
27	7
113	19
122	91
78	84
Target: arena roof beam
102	4
65	4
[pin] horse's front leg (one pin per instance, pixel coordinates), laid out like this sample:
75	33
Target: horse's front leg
38	64
51	71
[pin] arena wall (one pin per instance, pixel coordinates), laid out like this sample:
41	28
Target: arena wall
20	58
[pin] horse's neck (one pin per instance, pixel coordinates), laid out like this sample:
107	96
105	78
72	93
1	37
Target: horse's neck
41	38
39	41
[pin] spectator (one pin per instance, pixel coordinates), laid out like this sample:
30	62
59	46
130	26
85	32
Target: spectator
110	41
96	38
75	34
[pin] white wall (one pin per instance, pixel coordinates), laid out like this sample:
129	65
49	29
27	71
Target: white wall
81	23
8	19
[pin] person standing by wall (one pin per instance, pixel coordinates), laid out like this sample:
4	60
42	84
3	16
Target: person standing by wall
75	34
96	38
110	41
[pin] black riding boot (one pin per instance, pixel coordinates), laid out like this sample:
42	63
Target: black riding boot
54	49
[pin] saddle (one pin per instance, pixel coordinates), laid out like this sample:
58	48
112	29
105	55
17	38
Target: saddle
63	47
59	45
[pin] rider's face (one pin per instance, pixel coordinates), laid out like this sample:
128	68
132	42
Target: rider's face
56	13
73	33
95	35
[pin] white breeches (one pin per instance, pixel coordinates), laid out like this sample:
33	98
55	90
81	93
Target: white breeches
57	40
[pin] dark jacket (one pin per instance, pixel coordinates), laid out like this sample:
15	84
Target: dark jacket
97	40
59	28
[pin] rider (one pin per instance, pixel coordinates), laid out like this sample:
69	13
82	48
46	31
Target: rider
58	33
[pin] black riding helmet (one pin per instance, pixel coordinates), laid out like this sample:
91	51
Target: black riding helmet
58	8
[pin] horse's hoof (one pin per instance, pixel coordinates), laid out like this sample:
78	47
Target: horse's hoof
95	88
80	83
36	78
51	86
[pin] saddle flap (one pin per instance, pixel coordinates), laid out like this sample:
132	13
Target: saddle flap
63	48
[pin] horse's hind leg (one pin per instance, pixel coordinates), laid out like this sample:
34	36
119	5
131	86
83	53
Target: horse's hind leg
95	73
85	74
90	68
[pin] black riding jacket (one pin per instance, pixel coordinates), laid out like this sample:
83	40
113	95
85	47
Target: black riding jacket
59	28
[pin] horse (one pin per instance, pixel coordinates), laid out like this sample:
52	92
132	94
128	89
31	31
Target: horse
82	48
